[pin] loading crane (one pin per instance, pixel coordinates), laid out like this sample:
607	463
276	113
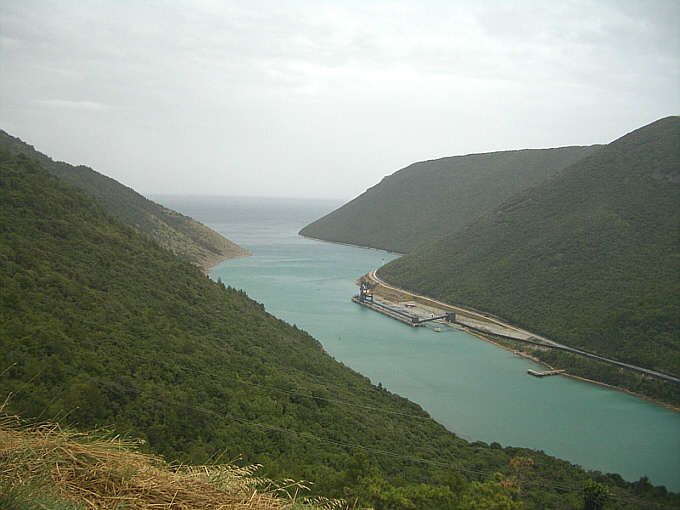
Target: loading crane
448	317
365	294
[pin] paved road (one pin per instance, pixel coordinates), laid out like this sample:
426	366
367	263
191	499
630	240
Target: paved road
499	327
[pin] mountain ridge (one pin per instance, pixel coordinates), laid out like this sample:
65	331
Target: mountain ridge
588	257
183	235
103	327
426	200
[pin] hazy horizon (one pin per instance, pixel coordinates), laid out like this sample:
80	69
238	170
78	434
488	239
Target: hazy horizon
208	196
322	99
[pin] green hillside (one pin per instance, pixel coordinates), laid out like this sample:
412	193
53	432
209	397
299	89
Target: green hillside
425	201
589	257
102	327
186	237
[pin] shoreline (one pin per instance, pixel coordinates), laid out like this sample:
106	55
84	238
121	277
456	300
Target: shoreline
371	276
526	355
209	265
352	245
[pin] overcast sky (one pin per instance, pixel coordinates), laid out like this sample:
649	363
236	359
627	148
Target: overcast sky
323	99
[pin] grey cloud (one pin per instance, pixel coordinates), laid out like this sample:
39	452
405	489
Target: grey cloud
320	97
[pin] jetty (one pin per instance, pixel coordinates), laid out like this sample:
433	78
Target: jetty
390	312
547	373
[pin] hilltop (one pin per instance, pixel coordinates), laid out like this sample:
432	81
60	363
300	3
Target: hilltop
184	236
588	257
103	327
427	200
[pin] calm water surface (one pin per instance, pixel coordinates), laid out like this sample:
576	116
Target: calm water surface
474	388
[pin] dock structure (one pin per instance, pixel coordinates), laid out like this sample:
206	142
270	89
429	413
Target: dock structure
390	312
547	373
485	324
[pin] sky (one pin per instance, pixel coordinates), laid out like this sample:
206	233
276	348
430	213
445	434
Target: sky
322	99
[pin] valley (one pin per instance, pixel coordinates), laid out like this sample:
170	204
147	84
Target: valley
89	328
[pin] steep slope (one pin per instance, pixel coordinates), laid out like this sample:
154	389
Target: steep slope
46	467
425	201
589	257
101	327
186	237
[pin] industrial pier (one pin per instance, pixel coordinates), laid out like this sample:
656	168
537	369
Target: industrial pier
395	314
365	298
544	374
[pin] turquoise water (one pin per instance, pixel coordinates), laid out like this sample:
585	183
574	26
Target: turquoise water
474	388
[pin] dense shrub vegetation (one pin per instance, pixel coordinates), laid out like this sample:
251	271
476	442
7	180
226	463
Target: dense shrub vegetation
100	326
589	257
182	235
425	201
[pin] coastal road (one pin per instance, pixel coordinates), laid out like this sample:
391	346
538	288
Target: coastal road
515	333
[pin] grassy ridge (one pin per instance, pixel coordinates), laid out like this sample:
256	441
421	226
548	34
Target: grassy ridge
425	201
589	257
101	326
184	236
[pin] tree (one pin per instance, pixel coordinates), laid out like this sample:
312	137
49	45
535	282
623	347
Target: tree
595	495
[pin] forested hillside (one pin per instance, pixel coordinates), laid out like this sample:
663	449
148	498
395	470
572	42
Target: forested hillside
589	257
186	237
425	201
102	327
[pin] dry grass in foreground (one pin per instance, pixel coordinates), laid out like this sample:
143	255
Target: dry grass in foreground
46	467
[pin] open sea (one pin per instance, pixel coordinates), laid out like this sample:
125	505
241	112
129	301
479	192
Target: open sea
474	388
